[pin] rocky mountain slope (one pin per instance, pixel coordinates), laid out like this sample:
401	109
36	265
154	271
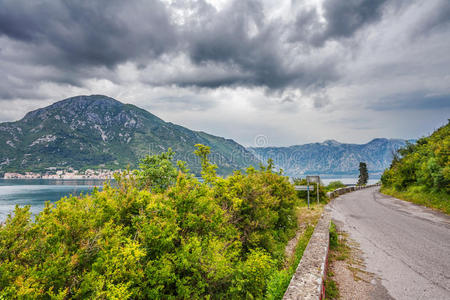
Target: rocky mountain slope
100	132
331	157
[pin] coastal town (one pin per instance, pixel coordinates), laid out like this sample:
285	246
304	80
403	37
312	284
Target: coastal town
64	174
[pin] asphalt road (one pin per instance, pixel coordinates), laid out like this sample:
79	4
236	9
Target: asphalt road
407	246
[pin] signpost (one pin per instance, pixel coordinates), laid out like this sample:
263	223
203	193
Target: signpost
315	179
301	187
306	187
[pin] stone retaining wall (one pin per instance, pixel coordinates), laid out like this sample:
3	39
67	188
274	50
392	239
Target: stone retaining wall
348	189
308	280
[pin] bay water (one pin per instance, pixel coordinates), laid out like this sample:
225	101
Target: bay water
35	192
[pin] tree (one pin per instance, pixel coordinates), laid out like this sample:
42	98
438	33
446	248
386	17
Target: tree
157	172
363	174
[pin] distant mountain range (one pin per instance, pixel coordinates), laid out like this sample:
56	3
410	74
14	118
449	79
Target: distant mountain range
100	132
331	158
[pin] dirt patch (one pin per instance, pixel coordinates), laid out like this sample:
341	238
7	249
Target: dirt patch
346	273
306	217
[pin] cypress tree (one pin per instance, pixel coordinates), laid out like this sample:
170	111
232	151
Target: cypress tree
363	174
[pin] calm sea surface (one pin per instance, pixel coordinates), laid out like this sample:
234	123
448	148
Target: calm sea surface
36	192
348	180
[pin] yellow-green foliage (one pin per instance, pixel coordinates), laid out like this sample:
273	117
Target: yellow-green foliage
147	238
423	167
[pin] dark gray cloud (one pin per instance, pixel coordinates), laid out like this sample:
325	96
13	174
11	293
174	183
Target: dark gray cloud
68	43
341	20
99	33
344	18
227	38
78	35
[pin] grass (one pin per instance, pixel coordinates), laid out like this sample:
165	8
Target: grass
336	246
331	289
419	195
280	280
341	250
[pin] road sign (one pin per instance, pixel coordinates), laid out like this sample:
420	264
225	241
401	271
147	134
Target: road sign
303	187
315	179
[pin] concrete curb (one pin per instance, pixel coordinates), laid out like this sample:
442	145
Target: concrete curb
308	280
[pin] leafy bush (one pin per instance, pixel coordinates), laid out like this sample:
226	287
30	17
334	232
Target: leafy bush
333	185
424	165
158	232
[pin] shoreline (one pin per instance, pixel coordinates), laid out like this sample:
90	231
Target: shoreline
69	174
56	179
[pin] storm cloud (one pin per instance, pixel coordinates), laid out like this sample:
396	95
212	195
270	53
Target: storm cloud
239	39
288	61
98	33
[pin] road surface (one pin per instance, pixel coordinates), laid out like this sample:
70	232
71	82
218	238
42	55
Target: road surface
407	246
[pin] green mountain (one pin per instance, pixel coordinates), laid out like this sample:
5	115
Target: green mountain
100	132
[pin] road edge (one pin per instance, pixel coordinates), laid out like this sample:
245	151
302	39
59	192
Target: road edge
309	277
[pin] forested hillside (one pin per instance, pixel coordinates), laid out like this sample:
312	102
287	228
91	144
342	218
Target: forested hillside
100	132
420	172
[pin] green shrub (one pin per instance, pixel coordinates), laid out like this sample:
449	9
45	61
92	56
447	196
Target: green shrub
424	166
153	235
333	185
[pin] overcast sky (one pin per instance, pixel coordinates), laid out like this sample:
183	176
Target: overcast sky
259	72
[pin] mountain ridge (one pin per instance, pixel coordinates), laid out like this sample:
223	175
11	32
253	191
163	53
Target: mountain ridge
99	131
331	157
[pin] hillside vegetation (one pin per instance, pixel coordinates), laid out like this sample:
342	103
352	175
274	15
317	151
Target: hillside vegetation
157	233
421	172
100	132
